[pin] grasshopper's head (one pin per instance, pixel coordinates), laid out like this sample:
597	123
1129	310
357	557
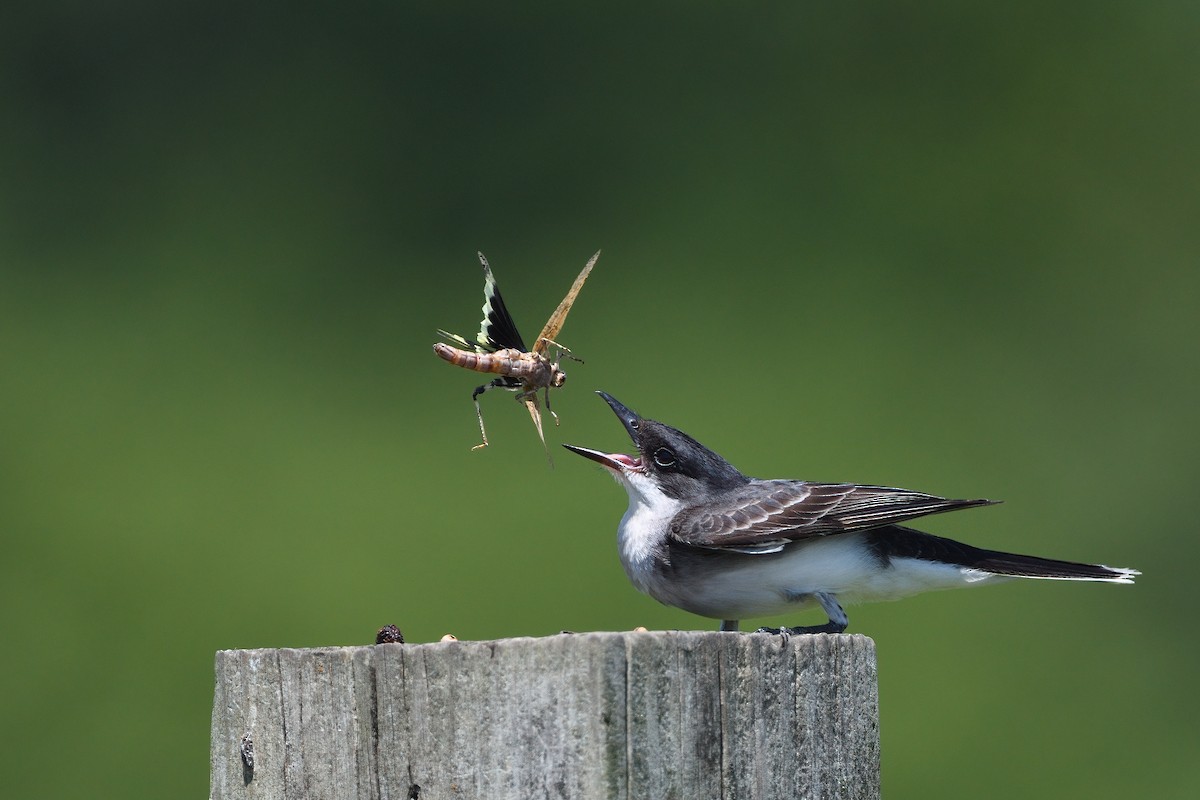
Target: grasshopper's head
557	376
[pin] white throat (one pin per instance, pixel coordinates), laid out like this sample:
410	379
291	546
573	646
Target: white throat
644	526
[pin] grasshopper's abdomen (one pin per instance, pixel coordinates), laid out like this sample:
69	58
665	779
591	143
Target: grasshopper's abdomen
512	363
480	362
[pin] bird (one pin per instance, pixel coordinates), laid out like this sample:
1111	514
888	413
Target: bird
701	536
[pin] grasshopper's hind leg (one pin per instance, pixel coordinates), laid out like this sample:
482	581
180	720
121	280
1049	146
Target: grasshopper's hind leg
499	382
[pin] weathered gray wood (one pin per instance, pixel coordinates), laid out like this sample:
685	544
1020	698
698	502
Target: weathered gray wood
599	715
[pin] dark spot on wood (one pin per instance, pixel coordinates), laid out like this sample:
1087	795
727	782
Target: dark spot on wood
389	634
246	750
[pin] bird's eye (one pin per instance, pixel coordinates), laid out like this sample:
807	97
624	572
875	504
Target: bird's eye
664	457
633	423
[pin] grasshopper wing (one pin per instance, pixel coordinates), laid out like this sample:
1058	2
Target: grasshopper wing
555	323
497	331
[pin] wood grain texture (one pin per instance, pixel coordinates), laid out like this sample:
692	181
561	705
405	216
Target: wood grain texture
599	715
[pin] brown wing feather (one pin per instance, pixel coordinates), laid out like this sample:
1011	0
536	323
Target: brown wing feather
766	512
555	323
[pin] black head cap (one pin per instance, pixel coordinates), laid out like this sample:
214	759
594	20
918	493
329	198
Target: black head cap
681	466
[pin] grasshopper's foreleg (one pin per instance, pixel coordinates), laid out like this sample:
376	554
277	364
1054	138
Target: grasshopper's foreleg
562	351
499	382
548	408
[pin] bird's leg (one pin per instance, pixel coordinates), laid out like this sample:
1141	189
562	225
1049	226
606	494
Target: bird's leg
837	619
479	412
728	625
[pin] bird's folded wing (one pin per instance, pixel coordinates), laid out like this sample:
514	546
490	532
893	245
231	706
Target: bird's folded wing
762	516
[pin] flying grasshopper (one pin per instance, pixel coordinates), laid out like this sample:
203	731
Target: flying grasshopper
500	350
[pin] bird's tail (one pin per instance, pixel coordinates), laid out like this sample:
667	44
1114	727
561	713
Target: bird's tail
1020	566
896	540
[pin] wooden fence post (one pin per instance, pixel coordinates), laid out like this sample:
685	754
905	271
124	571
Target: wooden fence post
598	715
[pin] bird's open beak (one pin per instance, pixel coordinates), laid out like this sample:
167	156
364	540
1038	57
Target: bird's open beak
617	462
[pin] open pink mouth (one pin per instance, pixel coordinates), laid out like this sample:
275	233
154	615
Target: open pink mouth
618	462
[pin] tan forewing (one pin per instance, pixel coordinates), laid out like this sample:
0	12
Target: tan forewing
555	323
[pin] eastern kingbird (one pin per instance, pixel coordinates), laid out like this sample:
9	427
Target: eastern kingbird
701	536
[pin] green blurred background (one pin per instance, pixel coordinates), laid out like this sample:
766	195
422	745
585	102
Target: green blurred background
947	248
